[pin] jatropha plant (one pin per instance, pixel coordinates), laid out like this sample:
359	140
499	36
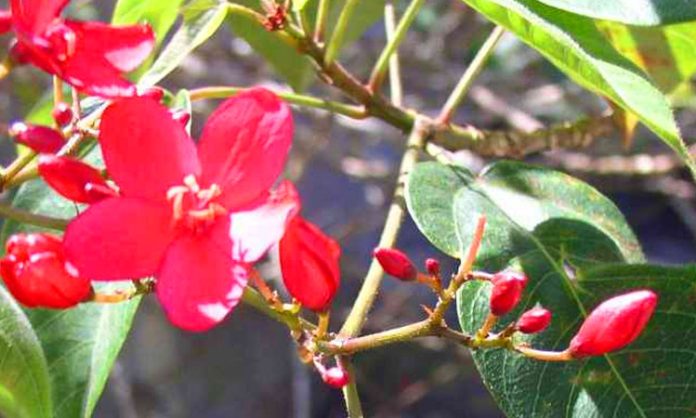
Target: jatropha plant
113	200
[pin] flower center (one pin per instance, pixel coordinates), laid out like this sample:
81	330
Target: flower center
193	208
61	41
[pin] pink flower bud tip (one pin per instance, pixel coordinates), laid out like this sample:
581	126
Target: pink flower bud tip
507	291
614	324
534	320
62	114
41	139
335	377
432	266
396	263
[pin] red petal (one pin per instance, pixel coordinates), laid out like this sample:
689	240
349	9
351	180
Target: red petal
199	284
118	239
70	177
146	152
35	15
245	144
123	47
309	263
255	230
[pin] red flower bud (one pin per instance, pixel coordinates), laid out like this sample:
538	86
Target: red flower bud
309	264
154	93
181	116
74	179
62	114
41	139
335	377
396	263
37	275
432	266
534	320
507	291
5	21
614	324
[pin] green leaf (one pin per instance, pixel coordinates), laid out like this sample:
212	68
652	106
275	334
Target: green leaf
572	243
299	5
430	190
80	345
160	14
294	67
25	390
632	12
202	18
653	377
574	44
528	194
667	54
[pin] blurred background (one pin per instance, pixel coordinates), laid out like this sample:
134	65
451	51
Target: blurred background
346	171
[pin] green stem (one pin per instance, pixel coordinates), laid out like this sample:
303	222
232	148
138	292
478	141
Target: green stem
350	392
395	216
380	68
339	33
352	111
472	71
25	217
395	85
251	14
322	18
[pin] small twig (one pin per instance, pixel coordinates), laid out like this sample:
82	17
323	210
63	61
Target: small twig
395	85
25	217
336	42
380	68
321	19
470	75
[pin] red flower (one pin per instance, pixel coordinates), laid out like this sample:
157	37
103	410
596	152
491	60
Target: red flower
193	218
534	320
309	263
396	263
88	55
614	324
507	291
35	272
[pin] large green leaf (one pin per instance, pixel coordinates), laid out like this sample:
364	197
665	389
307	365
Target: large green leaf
202	18
632	12
25	391
575	45
564	234
528	194
667	54
653	377
80	345
160	14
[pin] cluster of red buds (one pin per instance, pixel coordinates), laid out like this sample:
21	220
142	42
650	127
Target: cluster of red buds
611	326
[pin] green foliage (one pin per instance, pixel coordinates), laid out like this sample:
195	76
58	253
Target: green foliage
529	195
25	390
285	59
632	12
76	348
573	244
575	45
202	18
667	54
160	14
